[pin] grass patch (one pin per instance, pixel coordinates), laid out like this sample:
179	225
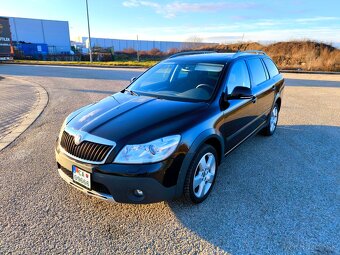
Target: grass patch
144	64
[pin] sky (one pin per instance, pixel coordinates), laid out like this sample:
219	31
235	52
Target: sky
208	21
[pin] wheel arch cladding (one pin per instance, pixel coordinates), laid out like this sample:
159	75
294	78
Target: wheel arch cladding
207	137
278	101
214	142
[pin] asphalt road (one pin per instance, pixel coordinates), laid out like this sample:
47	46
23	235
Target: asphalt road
276	195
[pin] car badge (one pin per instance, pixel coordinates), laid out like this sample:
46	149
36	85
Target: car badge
77	139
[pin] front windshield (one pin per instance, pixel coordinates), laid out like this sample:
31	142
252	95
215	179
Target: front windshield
192	81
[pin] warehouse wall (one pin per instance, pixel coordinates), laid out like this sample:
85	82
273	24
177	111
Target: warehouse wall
51	32
120	44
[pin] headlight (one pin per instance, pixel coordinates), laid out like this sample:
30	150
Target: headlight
151	152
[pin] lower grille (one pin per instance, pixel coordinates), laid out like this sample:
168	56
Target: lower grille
100	188
67	172
89	151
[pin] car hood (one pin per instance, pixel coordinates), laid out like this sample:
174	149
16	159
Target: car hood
135	119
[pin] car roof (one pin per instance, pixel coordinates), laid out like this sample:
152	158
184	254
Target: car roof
218	58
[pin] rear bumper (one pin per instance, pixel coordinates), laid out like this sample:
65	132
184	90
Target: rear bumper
117	188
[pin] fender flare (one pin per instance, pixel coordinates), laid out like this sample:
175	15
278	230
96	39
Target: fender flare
198	142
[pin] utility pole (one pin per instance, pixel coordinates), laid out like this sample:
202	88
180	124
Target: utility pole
137	49
88	28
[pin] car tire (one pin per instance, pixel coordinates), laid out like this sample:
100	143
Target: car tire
273	118
201	175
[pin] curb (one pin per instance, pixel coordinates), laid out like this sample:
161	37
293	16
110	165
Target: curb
37	109
309	72
144	67
97	66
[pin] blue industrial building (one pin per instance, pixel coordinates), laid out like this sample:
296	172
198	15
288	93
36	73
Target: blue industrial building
38	36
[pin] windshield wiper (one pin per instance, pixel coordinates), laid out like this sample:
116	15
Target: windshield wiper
131	92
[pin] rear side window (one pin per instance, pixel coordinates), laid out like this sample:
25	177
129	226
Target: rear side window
238	76
257	72
272	69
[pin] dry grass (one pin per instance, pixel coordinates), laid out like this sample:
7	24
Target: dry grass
143	64
305	55
293	55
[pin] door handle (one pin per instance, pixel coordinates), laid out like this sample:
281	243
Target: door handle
253	99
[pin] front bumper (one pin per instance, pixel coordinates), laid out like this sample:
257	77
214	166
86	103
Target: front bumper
113	187
66	177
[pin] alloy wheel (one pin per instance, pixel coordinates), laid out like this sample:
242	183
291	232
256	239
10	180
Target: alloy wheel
204	175
273	119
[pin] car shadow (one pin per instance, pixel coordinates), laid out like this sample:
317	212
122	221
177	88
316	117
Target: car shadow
311	83
273	195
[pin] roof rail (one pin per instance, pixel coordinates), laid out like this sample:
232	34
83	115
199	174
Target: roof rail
257	52
193	52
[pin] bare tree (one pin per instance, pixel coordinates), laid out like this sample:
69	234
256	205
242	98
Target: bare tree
193	42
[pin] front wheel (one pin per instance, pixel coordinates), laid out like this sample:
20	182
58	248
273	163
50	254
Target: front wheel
201	175
270	128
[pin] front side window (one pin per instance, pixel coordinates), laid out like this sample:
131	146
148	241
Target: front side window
238	76
192	81
257	72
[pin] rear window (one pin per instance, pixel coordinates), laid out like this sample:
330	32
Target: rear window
257	72
272	69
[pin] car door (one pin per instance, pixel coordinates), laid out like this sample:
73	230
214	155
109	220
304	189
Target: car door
262	86
240	114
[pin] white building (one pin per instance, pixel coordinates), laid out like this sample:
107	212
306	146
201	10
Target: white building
122	44
54	33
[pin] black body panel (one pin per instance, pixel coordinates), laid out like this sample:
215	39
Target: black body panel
130	119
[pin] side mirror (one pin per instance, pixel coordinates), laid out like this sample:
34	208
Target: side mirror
133	79
240	92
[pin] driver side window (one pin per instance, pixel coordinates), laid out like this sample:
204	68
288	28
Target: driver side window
238	76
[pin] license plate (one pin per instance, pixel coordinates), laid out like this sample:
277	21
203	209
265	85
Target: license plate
81	177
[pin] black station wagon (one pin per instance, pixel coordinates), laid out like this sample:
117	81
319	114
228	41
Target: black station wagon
165	135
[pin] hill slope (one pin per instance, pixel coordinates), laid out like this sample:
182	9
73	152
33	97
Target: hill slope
305	55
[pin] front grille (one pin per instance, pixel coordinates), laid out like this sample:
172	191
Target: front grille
89	151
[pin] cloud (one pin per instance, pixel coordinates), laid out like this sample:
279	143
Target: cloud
316	19
138	3
252	30
171	10
269	35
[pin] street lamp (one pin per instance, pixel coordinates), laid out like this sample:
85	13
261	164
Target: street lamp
88	28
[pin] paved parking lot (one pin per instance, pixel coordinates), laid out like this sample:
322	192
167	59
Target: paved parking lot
21	103
16	100
276	195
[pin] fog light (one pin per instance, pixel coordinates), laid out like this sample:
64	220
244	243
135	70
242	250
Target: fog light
138	193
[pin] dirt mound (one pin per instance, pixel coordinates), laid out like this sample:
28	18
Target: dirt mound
305	55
